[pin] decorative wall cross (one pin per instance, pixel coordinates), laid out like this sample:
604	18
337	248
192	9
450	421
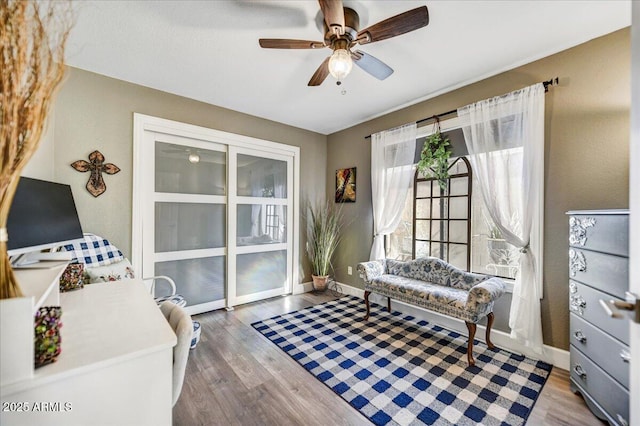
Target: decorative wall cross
96	166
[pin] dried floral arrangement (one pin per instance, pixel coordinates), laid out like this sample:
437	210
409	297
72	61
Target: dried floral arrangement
33	35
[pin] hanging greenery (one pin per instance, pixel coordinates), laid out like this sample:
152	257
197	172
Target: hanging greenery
434	159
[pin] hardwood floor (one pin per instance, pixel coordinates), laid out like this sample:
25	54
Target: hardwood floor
237	377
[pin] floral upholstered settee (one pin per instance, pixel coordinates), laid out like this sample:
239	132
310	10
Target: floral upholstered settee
431	283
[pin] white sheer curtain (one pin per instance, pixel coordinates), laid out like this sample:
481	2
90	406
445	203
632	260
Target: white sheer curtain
505	140
392	171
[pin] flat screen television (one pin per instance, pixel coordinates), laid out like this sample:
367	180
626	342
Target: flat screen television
43	215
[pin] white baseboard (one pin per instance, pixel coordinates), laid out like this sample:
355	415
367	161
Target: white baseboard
303	288
554	356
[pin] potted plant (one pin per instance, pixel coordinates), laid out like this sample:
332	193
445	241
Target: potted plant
323	236
434	158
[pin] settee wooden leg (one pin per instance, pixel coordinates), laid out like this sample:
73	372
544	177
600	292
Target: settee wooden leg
366	302
472	333
388	304
488	333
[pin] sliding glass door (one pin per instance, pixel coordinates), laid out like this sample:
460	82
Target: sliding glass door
214	213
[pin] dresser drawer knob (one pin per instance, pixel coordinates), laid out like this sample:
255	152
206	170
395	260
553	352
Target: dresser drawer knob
580	337
577	304
625	355
580	372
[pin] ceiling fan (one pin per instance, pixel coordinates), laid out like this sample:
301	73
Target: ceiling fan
342	33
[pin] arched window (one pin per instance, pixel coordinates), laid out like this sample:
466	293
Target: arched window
442	216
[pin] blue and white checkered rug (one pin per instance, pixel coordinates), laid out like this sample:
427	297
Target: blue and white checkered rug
399	371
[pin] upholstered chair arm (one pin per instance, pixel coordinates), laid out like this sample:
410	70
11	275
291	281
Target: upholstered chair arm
372	269
487	291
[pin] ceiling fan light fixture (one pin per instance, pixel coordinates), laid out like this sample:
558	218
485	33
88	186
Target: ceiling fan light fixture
340	64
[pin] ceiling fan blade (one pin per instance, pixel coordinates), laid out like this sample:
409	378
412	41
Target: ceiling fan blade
283	43
395	26
333	13
321	73
371	64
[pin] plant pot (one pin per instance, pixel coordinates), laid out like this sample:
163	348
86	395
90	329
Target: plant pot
320	282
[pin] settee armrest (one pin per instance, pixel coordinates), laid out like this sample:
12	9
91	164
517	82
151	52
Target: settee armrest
486	291
372	269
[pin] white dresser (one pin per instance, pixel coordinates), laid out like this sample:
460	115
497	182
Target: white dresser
115	366
599	350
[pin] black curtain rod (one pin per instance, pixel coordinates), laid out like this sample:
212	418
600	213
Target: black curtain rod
553	81
437	116
550	82
433	117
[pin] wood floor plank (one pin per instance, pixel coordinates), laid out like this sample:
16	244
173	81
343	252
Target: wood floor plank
236	376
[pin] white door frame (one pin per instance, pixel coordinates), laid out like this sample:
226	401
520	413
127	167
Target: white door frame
145	125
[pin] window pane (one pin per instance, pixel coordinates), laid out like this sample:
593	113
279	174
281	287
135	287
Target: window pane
422	230
261	177
459	186
440	208
424	189
175	173
458	167
459	208
259	272
189	226
422	249
198	280
458	255
439	230
458	231
436	191
261	224
423	208
439	250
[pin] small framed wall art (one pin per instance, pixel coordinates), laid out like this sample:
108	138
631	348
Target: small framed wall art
346	185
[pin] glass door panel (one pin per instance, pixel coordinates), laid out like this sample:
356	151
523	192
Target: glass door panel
190	226
260	272
261	177
261	224
188	230
259	235
185	169
199	281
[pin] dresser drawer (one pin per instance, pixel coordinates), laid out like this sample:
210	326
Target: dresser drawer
584	302
601	232
608	353
605	272
608	393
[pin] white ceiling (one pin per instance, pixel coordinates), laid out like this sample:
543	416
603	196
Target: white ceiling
208	50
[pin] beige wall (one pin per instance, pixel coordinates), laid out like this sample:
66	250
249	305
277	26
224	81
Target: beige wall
96	112
586	157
